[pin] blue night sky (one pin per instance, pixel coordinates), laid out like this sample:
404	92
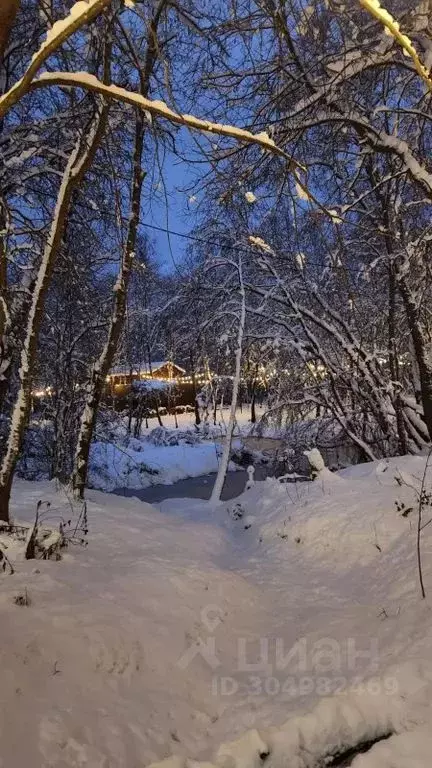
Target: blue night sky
170	209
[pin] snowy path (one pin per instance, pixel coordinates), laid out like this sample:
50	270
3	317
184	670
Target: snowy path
177	630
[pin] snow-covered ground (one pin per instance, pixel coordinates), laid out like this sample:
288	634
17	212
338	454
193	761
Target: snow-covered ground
187	420
138	464
181	628
127	462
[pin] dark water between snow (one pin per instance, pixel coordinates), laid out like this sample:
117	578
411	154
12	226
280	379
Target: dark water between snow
194	487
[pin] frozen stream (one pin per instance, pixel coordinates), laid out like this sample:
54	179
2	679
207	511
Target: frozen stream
194	487
200	487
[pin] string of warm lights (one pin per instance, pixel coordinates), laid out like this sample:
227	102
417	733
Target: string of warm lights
120	381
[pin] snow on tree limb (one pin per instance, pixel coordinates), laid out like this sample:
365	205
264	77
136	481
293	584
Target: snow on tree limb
81	13
160	109
393	27
378	139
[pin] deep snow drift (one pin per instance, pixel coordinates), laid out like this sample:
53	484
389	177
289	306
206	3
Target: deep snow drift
178	629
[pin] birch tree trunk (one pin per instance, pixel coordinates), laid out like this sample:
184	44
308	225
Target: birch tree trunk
194	390
77	165
4	308
223	466
102	366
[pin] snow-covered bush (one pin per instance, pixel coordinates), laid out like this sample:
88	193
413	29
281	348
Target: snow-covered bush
162	436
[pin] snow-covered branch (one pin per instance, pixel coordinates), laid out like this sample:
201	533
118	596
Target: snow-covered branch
158	108
80	14
376	9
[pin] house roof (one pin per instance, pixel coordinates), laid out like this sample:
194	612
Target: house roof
125	370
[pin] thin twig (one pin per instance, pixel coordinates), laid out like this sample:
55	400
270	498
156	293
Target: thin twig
419	526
